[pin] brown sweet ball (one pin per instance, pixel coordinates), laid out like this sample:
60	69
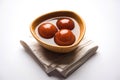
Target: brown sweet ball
47	30
64	37
65	23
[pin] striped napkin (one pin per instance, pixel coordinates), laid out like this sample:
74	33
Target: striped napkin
64	64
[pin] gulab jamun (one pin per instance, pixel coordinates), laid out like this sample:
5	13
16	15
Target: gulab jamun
65	23
64	37
47	30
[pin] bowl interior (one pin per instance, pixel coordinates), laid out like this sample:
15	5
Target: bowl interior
71	14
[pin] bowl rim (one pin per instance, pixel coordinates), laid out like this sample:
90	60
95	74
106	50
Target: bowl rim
74	44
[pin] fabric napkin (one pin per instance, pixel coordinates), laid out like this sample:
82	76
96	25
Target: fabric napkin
64	64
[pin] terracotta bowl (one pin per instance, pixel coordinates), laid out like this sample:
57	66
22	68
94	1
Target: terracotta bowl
57	48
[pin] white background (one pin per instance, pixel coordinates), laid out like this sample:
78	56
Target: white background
102	19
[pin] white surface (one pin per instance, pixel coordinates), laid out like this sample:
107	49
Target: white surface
102	19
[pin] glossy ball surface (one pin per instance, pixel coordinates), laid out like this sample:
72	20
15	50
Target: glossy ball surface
65	23
47	30
64	37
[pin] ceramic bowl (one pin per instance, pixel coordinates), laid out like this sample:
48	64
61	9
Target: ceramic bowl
57	48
